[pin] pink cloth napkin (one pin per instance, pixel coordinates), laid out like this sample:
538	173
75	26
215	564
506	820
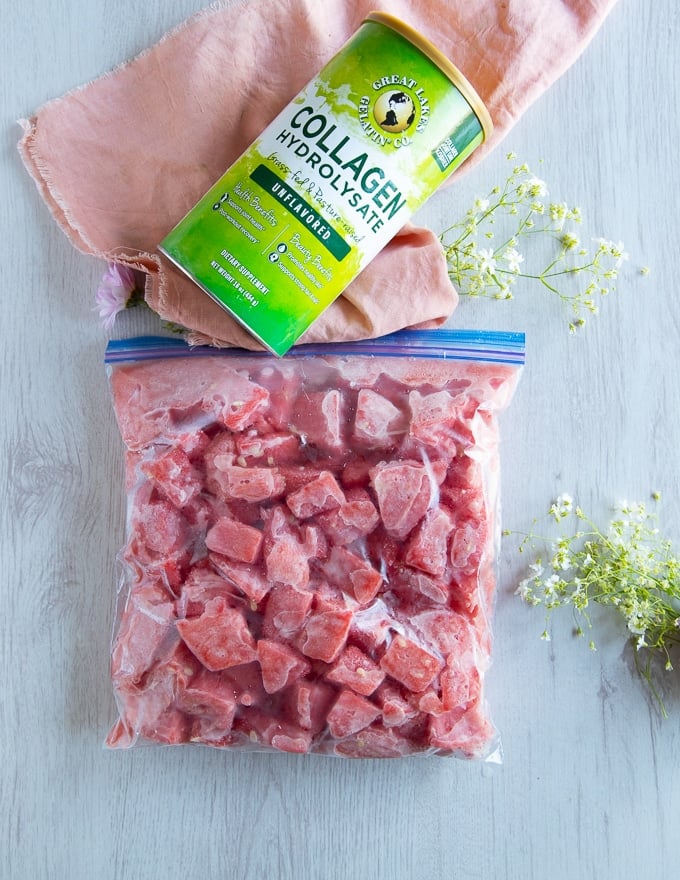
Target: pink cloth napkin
120	160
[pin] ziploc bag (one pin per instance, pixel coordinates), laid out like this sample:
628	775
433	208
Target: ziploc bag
309	563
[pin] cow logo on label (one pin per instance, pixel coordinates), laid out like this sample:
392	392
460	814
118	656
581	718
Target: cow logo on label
394	111
397	112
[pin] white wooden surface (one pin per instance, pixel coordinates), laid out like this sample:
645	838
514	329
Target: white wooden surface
590	784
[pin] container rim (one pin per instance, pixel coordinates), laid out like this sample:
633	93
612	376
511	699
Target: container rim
445	65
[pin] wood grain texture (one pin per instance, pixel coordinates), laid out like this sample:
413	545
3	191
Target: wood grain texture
590	784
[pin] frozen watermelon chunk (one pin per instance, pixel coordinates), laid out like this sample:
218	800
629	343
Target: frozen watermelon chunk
283	380
210	699
202	584
145	634
161	543
377	422
252	484
295	476
460	686
408	663
376	743
235	400
371	626
466	731
439	420
450	634
148	711
195	444
170	728
234	539
245	683
466	545
270	449
219	637
287	563
174	475
247	578
427	547
324	634
220	454
396	709
353	574
162	529
417	589
308	702
285	612
351	713
357	671
405	491
354	519
355	473
281	665
320	494
314	543
318	417
276	732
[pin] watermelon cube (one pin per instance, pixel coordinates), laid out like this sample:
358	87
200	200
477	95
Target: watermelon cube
350	713
324	634
357	671
281	665
219	637
354	519
427	547
405	491
408	663
320	494
308	702
285	612
249	579
318	418
353	574
378	423
174	475
234	539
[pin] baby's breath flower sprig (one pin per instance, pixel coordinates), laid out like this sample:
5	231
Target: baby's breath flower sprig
493	270
628	567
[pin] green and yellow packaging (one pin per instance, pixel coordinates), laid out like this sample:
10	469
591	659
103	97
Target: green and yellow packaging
333	178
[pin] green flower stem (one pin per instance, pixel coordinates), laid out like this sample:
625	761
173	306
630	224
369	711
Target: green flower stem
627	567
479	271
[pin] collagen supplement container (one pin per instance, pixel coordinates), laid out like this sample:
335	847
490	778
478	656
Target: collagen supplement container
330	181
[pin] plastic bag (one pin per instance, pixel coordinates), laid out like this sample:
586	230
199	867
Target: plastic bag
309	562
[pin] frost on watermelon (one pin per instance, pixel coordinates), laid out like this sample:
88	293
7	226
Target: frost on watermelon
210	703
355	518
410	664
234	539
357	671
325	634
350	713
219	637
405	490
285	612
427	548
248	579
175	476
320	494
309	558
353	574
378	423
281	665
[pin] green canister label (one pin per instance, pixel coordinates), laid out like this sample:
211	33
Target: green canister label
333	178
